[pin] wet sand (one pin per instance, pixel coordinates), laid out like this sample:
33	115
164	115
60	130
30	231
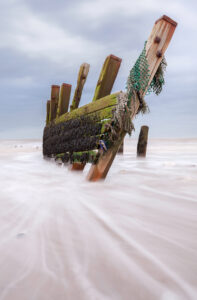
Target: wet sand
130	237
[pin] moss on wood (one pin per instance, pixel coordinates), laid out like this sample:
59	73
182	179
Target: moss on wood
93	107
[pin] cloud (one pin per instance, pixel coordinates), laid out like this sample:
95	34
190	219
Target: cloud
44	42
37	38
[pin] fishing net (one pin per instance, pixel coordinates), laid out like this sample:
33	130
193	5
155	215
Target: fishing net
137	83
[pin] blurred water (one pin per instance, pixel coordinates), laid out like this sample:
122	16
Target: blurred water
132	236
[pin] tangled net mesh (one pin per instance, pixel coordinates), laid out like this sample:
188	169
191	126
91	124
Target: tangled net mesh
137	85
140	75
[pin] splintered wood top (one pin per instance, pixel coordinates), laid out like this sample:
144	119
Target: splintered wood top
163	29
169	20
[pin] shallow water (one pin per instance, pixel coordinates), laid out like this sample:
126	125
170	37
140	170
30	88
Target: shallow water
130	237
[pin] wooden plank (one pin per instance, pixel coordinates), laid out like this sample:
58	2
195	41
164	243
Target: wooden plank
100	170
64	98
48	111
54	101
163	29
142	141
82	76
107	76
92	107
158	42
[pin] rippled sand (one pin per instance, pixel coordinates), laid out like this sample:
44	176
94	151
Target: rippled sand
132	237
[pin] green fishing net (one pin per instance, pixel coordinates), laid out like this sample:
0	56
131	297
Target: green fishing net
139	77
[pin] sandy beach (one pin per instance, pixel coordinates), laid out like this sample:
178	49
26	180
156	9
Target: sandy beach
131	237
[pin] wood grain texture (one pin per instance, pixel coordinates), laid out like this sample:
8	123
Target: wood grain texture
54	101
64	99
82	76
107	77
163	29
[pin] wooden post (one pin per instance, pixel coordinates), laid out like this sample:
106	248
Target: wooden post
142	141
107	76
162	31
82	76
48	112
121	148
54	101
64	99
108	102
77	166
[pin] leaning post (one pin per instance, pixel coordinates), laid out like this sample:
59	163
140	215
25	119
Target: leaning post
107	76
82	76
155	48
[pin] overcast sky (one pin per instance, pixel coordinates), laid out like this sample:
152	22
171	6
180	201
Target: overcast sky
43	42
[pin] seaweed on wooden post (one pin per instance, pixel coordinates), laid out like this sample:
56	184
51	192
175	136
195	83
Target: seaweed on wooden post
164	29
107	76
142	141
82	76
101	109
98	110
54	101
64	98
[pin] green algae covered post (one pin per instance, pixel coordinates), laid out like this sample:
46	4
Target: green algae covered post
107	77
82	76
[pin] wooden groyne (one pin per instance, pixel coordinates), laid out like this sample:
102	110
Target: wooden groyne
94	132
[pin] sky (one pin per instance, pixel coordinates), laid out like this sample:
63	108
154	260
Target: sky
45	42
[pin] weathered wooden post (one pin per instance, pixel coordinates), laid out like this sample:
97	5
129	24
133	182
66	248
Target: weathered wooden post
104	86
77	166
48	112
142	141
155	47
82	76
64	98
107	76
54	101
